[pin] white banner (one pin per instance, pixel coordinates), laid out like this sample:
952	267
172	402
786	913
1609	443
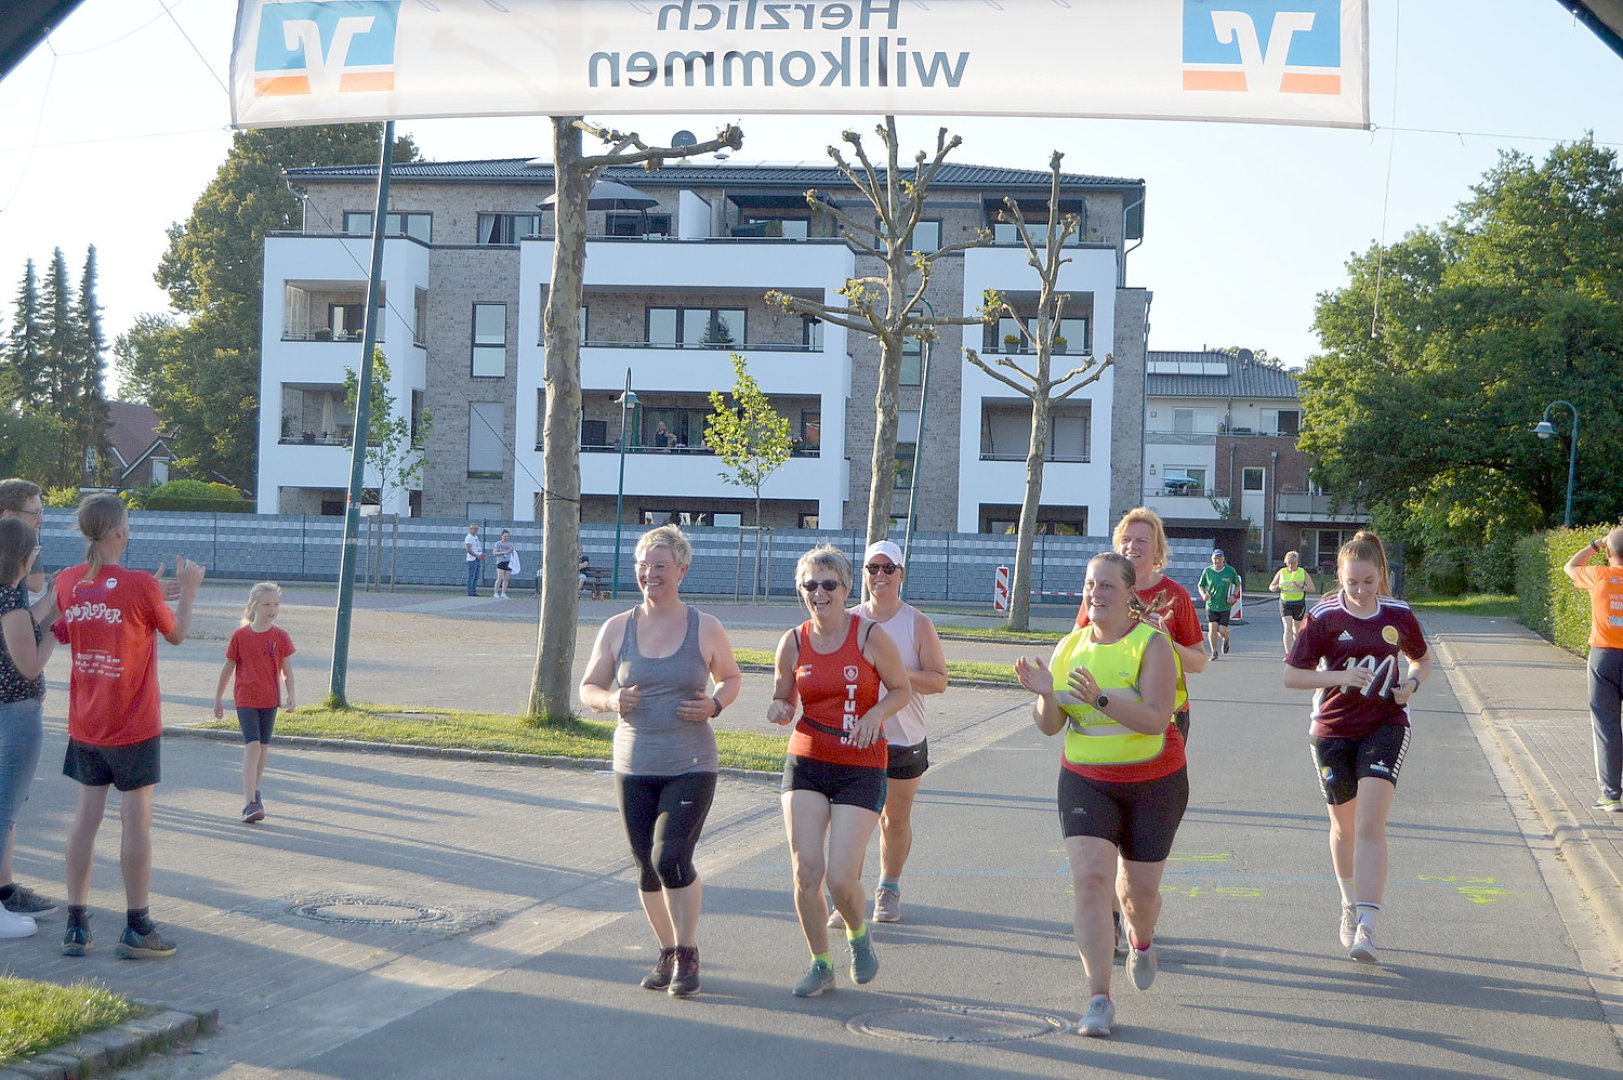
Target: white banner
1269	61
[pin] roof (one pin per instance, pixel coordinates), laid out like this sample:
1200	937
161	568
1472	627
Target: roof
133	431
1239	378
730	174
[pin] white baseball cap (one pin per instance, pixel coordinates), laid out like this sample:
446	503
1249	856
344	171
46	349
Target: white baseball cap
885	548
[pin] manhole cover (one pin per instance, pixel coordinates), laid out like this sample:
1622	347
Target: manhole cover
368	911
956	1024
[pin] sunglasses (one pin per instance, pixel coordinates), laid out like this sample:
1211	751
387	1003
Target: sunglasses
827	586
881	568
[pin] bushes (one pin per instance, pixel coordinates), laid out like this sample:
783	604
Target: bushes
194	495
1546	602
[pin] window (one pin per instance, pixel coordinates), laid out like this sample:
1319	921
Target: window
1183	421
1183	479
811	428
419	318
652	518
907	426
773	228
484	511
632	223
489	341
1068	436
1281	421
1251	479
1074	331
345	321
507	228
811	332
416	226
695	327
416	418
486	452
926	237
809	521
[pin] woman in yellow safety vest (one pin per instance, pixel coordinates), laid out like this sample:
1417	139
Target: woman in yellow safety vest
1292	583
1123	785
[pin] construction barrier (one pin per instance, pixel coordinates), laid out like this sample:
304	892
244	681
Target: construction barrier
1000	589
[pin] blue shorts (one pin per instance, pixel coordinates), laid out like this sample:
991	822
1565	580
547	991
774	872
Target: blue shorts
256	724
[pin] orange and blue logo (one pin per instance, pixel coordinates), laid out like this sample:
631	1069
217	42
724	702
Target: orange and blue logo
342	46
1263	46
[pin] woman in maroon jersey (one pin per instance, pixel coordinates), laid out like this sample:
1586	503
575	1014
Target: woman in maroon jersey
1348	654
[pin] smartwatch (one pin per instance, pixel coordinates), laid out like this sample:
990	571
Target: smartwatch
1101	702
716	700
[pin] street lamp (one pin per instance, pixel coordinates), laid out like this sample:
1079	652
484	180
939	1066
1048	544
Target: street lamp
918	441
1545	430
628	401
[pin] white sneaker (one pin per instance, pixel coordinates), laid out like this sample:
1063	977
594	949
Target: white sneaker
13	925
1099	1019
1349	924
1363	946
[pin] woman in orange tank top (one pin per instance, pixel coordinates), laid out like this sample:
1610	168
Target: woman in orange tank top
829	670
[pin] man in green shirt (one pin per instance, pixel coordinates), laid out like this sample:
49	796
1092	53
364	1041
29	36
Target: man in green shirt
1219	586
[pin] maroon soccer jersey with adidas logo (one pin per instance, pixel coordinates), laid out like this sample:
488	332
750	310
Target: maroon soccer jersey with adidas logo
1336	639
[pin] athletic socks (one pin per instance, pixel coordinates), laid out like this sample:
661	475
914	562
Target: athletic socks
1367	913
884	883
823	958
138	919
859	932
1345	884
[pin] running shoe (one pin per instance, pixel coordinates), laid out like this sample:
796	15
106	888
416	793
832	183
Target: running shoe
13	925
1101	1014
1225	646
835	919
686	979
818	977
1121	935
25	901
134	945
1349	924
887	904
1363	946
77	941
1142	964
254	811
864	961
660	977
1611	806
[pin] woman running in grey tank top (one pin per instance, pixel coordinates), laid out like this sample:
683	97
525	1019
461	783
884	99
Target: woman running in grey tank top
652	666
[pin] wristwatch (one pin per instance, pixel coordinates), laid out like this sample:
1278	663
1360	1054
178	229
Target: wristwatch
716	700
1101	702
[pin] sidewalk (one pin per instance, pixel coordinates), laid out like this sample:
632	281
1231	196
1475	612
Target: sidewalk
1533	699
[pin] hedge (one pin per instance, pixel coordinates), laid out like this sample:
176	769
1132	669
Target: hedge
1546	602
196	496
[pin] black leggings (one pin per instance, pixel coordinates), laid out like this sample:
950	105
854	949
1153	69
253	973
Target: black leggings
664	816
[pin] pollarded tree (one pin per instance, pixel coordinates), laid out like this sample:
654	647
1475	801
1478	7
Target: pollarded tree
1041	330
750	437
886	304
394	449
575	174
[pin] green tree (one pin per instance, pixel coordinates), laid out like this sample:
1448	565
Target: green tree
28	443
22	371
90	419
393	449
1443	350
749	436
205	385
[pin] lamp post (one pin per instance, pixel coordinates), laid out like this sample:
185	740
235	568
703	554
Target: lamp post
918	441
628	401
1544	430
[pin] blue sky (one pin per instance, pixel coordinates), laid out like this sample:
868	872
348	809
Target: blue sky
113	128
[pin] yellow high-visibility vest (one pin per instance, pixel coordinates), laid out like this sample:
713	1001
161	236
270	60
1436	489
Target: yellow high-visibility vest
1091	737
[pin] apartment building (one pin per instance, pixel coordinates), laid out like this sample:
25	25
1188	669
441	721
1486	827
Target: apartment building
675	282
1220	458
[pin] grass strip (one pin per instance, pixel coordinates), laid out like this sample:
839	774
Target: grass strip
36	1016
465	730
1488	605
999	634
961	670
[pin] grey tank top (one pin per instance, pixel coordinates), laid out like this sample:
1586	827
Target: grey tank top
652	740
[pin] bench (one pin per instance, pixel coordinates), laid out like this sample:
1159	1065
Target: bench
595	579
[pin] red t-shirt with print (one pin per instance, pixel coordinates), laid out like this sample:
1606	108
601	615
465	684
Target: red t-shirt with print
111	622
259	656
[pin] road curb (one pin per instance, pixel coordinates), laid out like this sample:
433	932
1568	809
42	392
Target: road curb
443	753
1590	872
116	1047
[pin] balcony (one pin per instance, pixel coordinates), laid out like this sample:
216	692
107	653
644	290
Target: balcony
1305	506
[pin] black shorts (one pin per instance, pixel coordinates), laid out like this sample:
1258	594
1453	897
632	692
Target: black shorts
125	767
1181	719
1341	763
909	762
1221	618
1293	609
1140	818
841	785
256	724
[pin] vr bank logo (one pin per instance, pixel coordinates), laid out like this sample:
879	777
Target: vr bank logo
342	47
1264	46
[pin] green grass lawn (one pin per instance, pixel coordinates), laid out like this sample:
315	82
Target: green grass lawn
36	1016
961	670
582	738
1492	605
999	634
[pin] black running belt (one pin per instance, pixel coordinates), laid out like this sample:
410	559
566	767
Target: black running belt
809	722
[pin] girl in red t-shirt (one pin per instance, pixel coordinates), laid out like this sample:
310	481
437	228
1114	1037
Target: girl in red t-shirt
261	655
831	666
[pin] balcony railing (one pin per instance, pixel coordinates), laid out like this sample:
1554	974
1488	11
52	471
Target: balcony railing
323	335
1049	459
712	346
1304	505
598	448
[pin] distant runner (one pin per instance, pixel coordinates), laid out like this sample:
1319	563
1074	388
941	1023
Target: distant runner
1220	587
1292	583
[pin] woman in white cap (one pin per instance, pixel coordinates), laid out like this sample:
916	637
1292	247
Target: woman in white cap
909	751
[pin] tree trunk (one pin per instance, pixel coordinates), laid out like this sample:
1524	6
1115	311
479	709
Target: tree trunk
552	686
1020	601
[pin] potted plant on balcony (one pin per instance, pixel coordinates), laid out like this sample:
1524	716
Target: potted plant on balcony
322	333
307	436
1061	344
1011	342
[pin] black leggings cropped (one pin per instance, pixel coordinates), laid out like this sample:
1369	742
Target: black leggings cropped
664	816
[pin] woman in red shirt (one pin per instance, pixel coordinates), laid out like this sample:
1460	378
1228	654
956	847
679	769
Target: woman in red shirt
832	666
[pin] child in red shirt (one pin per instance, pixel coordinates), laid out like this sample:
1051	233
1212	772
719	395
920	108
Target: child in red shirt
111	616
261	655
